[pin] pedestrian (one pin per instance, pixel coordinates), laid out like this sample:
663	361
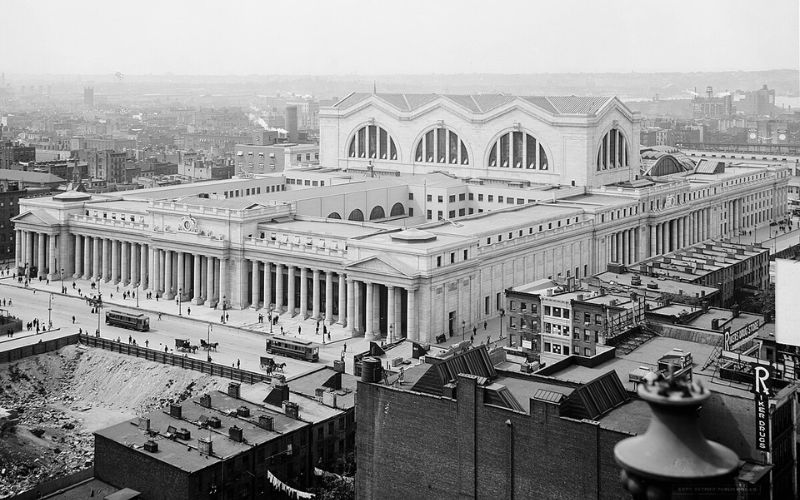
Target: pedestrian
299	329
329	336
345	347
188	311
146	343
227	317
474	330
73	320
4	302
165	348
159	316
222	318
484	325
324	330
238	363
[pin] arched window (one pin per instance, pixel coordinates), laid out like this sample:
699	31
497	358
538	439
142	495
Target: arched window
613	150
441	145
397	209
356	215
372	142
377	213
334	215
518	149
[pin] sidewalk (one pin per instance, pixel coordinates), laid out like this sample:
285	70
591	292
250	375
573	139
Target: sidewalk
246	319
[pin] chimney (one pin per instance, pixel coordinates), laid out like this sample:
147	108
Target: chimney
338	366
243	411
329	399
144	424
279	392
150	446
175	410
291	410
204	446
735	310
715	324
233	389
214	422
579	297
205	400
266	422
704	304
235	433
449	390
291	123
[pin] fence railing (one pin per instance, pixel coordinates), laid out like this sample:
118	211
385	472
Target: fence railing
40	347
171	359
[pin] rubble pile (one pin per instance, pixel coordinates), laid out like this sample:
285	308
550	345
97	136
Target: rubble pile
60	398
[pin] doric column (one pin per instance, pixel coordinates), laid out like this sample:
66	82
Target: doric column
210	271
152	267
351	305
368	326
411	314
18	248
169	293
53	273
279	288
267	285
97	258
134	264
41	261
29	242
390	319
181	287
290	289
376	310
115	253
78	256
223	281
659	242
125	265
653	242
315	293
198	279
342	300
303	292
329	297
142	278
255	284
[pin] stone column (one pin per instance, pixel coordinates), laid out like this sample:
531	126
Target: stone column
169	293
29	241
267	285
97	258
411	314
78	256
390	319
210	271
134	264
18	247
315	294
255	284
223	281
152	266
278	288
376	313
41	261
329	297
303	292
142	277
342	300
351	305
291	287
181	287
368	326
125	266
53	273
198	279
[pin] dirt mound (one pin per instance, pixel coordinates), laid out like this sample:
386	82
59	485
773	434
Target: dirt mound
64	396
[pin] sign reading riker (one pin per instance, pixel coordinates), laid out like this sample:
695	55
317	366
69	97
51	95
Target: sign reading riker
761	390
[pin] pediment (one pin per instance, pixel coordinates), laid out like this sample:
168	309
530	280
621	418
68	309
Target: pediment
34	218
381	265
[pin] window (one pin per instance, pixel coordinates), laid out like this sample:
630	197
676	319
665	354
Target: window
556	349
462	197
451	214
490	198
547	346
451	198
372	141
300	157
439	261
462	212
587	318
499	199
547	310
557	312
466	252
439	215
587	351
410	212
576	334
471	197
430	197
452	257
410	196
598	320
480	197
587	335
518	149
566	313
440	199
441	145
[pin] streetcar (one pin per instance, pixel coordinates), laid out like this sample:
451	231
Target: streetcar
131	321
294	348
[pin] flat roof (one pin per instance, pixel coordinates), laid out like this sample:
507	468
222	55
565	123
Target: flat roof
497	221
524	389
664	284
327	227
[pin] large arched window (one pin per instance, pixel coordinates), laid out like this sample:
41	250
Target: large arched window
372	142
441	145
356	215
613	150
377	213
334	215
518	149
397	209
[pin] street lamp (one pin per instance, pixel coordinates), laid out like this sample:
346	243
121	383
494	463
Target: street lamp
208	341
49	310
391	334
137	295
98	304
62	280
180	297
271	308
463	326
223	309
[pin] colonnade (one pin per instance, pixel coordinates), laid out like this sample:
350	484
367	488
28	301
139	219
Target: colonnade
680	232
625	246
37	249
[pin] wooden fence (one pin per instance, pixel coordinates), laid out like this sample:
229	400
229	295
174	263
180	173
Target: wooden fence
37	348
181	360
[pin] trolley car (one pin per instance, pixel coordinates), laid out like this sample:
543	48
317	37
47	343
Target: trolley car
128	320
294	348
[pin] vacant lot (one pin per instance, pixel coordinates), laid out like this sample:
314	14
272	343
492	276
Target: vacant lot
63	396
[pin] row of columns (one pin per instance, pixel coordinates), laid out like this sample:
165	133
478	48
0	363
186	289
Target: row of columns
33	248
680	232
112	260
625	246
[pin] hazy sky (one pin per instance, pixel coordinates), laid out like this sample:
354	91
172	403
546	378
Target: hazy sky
403	36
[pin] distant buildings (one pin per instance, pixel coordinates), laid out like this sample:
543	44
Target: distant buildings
12	153
712	106
107	165
254	159
88	97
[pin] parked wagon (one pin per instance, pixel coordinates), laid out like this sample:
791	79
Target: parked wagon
184	345
269	365
208	345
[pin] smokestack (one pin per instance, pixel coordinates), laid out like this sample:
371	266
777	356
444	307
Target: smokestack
291	123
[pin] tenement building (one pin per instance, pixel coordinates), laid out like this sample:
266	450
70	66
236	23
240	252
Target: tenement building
424	209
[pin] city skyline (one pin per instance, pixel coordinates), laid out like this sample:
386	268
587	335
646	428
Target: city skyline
356	37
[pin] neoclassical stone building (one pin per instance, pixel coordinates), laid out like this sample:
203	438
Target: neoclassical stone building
425	209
